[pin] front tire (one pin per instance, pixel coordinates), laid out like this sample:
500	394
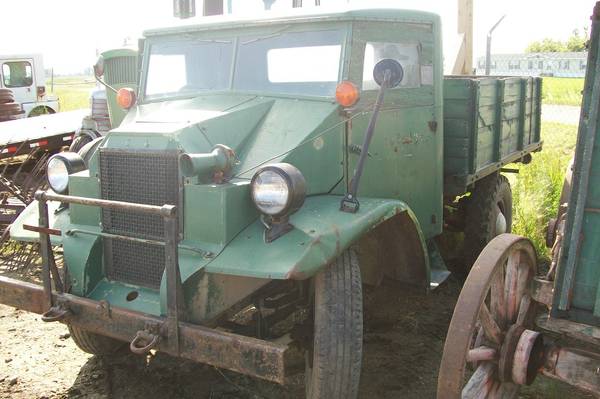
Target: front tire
333	365
94	344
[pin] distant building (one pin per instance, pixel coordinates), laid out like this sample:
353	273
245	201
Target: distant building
570	65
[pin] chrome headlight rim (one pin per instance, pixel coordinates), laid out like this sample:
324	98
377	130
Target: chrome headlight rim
296	188
72	163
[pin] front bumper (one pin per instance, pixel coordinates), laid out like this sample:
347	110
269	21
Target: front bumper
170	334
239	353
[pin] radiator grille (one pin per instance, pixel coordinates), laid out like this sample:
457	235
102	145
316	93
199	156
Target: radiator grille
121	70
144	177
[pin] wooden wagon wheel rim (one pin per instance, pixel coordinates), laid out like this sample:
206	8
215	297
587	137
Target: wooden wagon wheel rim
493	303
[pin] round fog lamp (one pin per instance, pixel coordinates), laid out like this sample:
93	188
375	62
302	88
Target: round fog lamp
59	167
278	189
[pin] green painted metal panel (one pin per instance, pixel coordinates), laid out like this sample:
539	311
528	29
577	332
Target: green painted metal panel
82	185
216	213
408	141
321	233
116	293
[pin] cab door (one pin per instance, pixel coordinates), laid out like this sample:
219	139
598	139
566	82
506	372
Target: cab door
405	156
17	75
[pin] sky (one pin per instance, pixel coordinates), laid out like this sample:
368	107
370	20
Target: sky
69	33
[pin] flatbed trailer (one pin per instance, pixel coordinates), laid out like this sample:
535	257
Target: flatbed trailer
25	145
48	132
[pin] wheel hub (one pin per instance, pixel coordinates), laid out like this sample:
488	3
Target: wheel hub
501	225
521	356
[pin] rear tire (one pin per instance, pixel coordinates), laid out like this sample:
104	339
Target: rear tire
333	365
94	344
489	214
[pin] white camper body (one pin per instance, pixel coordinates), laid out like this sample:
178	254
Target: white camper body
24	75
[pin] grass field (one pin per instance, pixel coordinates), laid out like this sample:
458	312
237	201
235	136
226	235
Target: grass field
73	91
537	187
562	91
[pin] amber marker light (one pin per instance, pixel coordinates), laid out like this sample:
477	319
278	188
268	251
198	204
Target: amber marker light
347	94
126	98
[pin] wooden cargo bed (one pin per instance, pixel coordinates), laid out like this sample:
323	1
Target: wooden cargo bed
488	122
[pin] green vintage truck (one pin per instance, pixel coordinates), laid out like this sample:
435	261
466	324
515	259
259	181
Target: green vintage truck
264	171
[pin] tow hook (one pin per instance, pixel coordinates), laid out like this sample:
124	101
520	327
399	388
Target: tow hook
145	340
56	313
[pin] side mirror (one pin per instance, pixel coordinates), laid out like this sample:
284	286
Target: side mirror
391	68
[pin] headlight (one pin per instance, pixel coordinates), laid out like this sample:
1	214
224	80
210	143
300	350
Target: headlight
278	189
59	167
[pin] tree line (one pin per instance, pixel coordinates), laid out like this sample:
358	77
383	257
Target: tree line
575	43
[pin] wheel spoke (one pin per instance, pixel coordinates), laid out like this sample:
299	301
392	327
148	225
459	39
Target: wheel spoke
479	337
481	382
497	298
489	325
482	353
511	285
526	308
523	279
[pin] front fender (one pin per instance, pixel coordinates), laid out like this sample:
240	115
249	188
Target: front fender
321	232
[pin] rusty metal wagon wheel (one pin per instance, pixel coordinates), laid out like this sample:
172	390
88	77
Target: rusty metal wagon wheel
490	349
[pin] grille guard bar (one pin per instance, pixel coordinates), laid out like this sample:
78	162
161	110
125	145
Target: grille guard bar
239	353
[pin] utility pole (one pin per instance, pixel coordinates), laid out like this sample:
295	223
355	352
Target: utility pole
464	58
488	48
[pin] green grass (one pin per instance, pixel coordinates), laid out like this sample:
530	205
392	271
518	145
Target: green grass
562	91
537	187
73	91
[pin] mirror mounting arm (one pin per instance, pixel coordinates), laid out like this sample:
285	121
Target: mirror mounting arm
350	203
103	83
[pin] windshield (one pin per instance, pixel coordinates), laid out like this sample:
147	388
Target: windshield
303	63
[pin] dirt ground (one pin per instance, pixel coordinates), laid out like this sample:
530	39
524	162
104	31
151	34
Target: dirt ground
404	334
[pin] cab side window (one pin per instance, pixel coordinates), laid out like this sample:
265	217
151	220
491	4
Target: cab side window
17	74
408	55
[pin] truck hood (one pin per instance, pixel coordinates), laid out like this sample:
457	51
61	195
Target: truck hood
306	133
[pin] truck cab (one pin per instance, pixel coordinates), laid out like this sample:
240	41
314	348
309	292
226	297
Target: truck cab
24	75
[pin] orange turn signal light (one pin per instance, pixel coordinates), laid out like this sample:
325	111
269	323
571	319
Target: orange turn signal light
347	94
126	98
